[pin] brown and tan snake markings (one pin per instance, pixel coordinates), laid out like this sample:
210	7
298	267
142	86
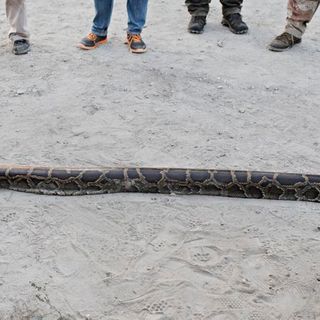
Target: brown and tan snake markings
228	183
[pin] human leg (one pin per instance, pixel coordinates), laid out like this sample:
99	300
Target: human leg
18	34
231	10
199	10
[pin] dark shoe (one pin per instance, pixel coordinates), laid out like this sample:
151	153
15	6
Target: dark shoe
92	41
196	24
135	43
283	42
235	23
21	46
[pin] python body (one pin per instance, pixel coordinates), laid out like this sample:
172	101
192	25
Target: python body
229	183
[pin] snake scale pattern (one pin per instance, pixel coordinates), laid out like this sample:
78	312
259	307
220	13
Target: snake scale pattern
229	183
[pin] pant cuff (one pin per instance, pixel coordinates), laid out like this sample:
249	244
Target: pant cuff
228	11
294	31
99	32
13	36
133	32
199	14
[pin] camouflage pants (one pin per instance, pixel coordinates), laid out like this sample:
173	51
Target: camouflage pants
16	14
300	12
201	7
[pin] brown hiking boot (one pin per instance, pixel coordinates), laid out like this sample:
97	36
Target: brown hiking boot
283	42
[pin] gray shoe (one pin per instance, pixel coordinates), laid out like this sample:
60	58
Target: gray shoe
283	42
21	46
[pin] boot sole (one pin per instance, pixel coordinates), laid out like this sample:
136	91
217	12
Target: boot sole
83	47
195	32
281	50
227	25
138	51
278	50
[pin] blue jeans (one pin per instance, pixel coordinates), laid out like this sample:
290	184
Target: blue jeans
137	12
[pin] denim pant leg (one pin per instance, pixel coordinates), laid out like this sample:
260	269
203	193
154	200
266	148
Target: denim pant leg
102	18
198	7
137	14
231	6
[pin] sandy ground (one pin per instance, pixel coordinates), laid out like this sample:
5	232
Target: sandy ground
214	101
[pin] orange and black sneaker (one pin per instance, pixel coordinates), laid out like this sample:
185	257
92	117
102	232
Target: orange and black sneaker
92	41
135	43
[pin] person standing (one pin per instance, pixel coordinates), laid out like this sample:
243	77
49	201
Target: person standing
18	34
137	12
231	10
300	12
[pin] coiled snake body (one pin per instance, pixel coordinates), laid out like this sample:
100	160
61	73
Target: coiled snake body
229	183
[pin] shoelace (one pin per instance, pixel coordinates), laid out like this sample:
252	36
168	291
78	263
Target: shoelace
92	36
134	37
285	37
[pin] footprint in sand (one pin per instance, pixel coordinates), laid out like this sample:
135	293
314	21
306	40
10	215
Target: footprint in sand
157	307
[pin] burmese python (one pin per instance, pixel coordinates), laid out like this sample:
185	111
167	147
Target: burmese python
229	183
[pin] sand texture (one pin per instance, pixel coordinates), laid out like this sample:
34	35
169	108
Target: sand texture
217	100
